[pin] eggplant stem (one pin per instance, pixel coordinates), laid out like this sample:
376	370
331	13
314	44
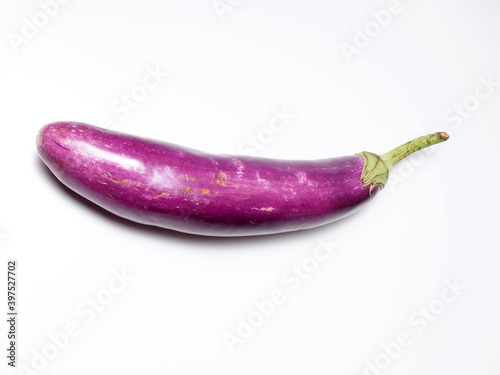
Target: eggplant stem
376	167
399	153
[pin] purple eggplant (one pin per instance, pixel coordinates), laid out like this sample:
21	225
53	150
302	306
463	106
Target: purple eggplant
178	188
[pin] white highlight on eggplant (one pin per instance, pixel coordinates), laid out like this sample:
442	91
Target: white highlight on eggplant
240	167
160	180
302	176
99	153
261	180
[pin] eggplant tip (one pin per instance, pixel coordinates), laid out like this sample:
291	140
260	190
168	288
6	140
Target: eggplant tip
444	136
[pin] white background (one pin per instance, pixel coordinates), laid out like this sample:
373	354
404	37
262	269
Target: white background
435	223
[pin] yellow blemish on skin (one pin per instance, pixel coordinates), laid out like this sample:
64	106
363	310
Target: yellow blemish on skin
162	194
187	189
119	182
220	179
205	191
264	209
109	195
189	178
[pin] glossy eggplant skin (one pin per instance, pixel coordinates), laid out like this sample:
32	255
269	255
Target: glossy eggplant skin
165	185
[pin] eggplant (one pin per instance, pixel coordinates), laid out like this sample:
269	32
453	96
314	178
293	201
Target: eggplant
169	186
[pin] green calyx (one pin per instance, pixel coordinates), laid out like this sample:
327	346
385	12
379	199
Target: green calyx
376	168
375	171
